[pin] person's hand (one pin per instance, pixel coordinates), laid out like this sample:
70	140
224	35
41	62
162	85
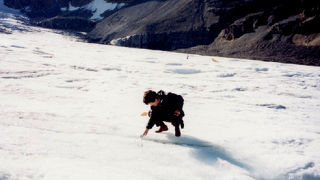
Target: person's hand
145	132
177	113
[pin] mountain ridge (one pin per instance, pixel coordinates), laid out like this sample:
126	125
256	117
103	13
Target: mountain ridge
277	30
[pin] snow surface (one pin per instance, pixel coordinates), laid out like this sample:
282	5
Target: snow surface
71	110
98	7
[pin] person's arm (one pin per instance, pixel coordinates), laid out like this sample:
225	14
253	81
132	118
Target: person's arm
145	132
150	124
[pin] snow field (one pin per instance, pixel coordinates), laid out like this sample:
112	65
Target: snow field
71	110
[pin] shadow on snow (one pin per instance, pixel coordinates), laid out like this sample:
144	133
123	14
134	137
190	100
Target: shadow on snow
202	150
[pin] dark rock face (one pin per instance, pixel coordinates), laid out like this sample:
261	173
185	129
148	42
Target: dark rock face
160	41
44	8
34	4
275	30
17	4
288	32
63	3
43	5
166	25
79	3
71	23
35	8
48	13
242	26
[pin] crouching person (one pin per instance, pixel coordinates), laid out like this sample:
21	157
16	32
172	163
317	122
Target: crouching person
164	108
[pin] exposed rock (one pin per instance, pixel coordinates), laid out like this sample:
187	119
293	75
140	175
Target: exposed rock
161	40
120	1
35	8
242	26
277	30
51	8
63	3
306	40
70	23
274	30
79	3
164	25
17	4
36	5
59	14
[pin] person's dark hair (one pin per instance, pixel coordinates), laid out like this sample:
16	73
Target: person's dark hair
150	96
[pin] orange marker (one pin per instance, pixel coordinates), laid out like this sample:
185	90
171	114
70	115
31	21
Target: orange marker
214	60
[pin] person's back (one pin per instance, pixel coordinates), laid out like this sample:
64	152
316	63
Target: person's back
175	102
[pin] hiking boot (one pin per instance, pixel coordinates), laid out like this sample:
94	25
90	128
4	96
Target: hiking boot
177	131
162	128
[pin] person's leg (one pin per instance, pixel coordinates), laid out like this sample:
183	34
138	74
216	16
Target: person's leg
177	131
160	123
181	123
176	122
163	127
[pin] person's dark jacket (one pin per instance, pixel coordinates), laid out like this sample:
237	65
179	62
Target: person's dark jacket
164	111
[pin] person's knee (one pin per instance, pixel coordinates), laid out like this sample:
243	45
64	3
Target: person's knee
160	123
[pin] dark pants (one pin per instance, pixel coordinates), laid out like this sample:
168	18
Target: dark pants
175	121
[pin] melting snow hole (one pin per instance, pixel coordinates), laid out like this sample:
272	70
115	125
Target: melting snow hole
227	75
111	69
16	46
39	52
261	69
84	68
272	106
5	177
174	64
240	89
298	75
185	71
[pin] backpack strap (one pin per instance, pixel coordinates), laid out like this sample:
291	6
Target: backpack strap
161	94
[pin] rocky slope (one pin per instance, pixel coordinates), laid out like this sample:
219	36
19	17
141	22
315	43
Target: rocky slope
78	15
51	8
275	30
166	25
278	30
